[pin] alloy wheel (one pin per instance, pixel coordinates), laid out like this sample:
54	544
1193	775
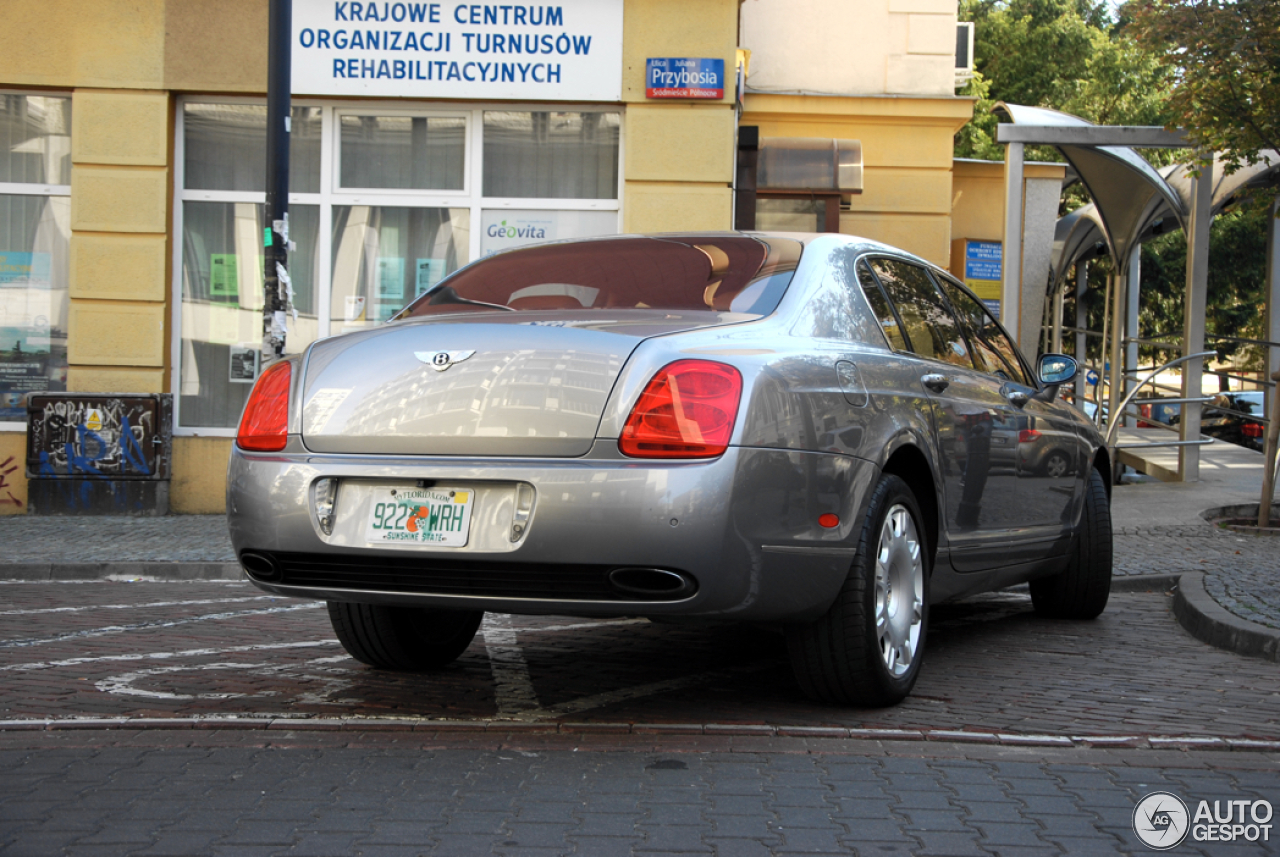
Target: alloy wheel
1056	465
899	591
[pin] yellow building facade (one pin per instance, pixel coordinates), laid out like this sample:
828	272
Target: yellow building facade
134	202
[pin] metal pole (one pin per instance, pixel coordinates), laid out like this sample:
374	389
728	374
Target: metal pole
1115	373
276	238
1272	304
1131	319
1105	379
1082	341
1011	285
1193	321
1059	303
1269	461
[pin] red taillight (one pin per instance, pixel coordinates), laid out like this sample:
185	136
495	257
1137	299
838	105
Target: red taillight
687	411
1028	435
265	424
1251	429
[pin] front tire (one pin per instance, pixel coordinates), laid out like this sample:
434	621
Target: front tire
403	638
1081	592
867	649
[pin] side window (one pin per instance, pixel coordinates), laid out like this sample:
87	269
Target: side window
880	306
931	329
992	346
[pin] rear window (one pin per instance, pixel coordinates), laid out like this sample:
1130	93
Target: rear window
722	273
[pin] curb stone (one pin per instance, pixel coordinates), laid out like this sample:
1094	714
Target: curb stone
1144	582
1208	621
510	728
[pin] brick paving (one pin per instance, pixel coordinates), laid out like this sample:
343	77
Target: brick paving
1241	570
376	794
88	539
993	666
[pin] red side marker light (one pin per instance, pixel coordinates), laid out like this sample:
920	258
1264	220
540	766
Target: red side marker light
829	521
265	424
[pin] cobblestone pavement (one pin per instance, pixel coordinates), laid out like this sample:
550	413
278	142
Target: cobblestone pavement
188	649
1242	571
82	539
377	794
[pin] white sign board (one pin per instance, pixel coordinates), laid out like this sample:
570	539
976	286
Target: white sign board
570	51
504	229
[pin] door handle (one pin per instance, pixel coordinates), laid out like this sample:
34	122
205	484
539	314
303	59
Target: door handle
936	383
1018	397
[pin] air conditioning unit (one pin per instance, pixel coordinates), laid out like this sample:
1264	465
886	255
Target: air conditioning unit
964	52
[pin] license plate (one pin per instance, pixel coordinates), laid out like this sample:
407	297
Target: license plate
440	517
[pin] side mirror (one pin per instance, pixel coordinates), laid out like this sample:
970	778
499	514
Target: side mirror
1055	369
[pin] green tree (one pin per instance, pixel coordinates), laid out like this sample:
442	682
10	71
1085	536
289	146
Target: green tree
1224	58
1235	290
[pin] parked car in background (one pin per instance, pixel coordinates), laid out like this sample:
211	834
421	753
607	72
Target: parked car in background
1045	450
769	428
1235	417
1159	412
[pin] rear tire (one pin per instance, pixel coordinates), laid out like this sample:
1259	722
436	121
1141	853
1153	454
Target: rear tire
1081	592
867	649
403	638
1056	464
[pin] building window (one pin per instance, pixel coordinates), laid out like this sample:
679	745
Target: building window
403	152
383	202
35	232
385	256
551	155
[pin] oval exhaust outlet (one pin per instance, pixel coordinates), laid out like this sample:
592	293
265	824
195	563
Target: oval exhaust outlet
261	566
653	584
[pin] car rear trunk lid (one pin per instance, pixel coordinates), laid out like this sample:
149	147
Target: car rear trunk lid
524	384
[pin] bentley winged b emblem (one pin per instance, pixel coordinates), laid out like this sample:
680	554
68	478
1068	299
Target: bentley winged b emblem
442	360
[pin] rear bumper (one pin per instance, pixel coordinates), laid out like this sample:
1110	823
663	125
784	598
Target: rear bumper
741	528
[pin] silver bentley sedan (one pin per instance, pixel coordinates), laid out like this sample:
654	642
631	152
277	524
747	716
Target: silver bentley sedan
813	431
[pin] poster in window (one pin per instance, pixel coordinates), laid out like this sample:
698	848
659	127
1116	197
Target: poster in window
391	278
354	308
224	277
25	269
32	352
244	364
24	367
430	272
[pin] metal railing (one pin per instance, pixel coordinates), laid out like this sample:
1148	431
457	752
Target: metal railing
1113	421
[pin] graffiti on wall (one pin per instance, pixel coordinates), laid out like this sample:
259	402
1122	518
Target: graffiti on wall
7	497
94	447
94	438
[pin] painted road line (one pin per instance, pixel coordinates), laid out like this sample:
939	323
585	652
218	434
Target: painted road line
512	685
145	656
145	626
135	606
